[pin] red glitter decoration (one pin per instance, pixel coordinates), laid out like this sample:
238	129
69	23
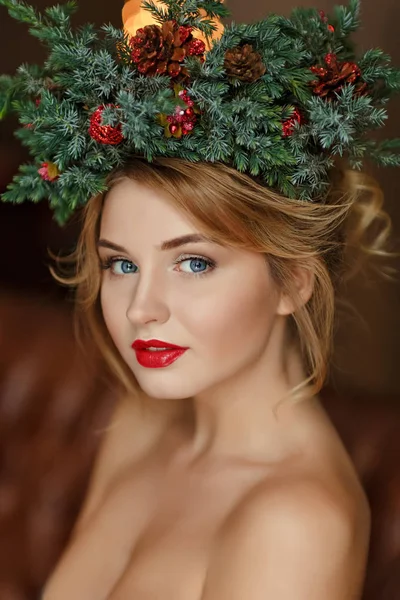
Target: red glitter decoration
331	28
335	75
196	47
49	171
289	125
330	59
104	134
184	32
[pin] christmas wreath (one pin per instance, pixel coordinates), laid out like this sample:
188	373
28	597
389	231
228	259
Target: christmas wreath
279	98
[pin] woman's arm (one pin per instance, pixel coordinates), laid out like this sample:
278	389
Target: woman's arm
301	543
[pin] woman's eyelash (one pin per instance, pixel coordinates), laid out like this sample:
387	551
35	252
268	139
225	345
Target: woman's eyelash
211	264
108	263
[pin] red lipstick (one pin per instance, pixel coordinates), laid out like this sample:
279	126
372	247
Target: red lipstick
153	359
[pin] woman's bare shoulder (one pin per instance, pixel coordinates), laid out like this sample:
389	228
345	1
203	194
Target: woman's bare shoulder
136	426
292	538
300	494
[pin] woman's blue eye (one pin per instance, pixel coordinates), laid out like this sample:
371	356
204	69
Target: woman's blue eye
122	267
196	264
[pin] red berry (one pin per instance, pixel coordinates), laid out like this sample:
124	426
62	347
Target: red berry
323	16
187	127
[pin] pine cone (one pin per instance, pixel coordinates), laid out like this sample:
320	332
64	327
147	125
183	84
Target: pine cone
334	76
244	63
161	50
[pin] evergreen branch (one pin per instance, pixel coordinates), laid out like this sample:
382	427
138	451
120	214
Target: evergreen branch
212	8
188	12
9	88
23	12
347	19
60	15
249	122
157	12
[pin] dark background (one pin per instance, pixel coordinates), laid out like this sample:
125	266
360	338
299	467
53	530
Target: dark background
367	345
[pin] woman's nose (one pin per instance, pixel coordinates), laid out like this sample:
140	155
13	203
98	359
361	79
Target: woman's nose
148	301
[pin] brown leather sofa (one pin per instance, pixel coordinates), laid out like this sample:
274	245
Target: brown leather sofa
53	406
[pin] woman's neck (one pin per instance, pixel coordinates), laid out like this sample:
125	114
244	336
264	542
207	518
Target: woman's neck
237	419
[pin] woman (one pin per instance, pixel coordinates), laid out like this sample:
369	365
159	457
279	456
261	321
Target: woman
220	493
212	297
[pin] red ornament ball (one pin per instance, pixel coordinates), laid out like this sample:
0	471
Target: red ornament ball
104	134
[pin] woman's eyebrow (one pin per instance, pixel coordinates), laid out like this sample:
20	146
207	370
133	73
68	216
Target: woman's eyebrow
184	239
106	244
167	245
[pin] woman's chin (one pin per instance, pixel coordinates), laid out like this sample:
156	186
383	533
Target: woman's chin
161	389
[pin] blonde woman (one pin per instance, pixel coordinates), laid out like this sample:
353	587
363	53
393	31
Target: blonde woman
221	475
210	289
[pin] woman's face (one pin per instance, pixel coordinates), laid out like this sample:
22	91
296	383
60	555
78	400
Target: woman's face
219	302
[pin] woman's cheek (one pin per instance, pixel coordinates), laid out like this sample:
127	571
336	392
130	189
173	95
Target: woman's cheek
112	310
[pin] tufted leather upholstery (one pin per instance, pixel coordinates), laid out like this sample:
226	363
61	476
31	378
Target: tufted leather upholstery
54	403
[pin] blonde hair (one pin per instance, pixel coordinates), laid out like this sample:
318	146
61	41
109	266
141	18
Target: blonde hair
330	238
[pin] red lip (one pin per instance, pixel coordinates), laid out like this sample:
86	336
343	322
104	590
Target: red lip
145	344
155	359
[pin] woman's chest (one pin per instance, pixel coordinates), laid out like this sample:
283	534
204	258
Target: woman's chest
169	563
170	558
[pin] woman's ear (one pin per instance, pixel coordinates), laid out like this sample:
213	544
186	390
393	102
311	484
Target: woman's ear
302	285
